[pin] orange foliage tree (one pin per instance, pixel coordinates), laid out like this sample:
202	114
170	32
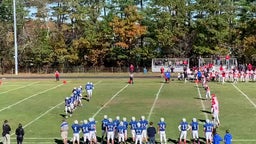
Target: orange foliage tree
128	30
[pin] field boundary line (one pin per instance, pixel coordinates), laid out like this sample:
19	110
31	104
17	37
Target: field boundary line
245	95
156	98
30	97
18	88
202	103
110	100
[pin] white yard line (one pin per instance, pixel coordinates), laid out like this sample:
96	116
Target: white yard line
30	97
202	103
246	96
110	100
156	98
45	113
18	88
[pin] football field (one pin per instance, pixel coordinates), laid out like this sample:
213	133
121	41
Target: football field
39	105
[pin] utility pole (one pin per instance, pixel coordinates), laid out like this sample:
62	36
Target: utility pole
15	38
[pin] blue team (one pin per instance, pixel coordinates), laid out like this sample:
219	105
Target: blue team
89	88
195	128
76	130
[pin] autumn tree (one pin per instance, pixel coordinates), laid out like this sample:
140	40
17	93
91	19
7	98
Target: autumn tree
127	31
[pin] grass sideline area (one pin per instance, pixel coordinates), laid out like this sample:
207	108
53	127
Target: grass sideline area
39	105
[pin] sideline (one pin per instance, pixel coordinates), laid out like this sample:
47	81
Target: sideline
246	96
201	99
156	98
110	100
18	88
30	97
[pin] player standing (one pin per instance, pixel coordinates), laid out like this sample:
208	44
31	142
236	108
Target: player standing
138	133
92	130
133	125
85	130
183	128
104	123
208	129
88	90
126	127
76	130
121	130
64	131
195	128
110	129
144	124
161	131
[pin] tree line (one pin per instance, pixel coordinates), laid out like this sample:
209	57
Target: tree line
115	33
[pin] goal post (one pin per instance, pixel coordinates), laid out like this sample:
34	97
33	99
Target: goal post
172	64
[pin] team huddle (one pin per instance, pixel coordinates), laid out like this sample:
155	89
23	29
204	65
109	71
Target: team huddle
75	99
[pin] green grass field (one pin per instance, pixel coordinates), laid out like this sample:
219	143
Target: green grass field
39	105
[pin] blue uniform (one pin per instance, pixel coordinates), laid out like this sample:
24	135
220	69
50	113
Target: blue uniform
125	125
208	127
194	126
138	130
121	129
92	126
104	123
85	128
216	139
162	126
116	123
67	102
75	128
167	75
110	127
183	126
228	138
133	125
88	87
144	124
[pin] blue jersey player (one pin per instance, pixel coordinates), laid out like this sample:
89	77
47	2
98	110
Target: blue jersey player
208	129
144	125
195	128
121	131
104	123
183	128
110	129
161	130
85	130
133	125
138	133
76	130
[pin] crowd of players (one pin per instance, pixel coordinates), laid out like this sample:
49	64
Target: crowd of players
75	99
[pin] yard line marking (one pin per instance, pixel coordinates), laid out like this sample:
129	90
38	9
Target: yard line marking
202	103
30	97
156	98
246	96
110	100
18	88
45	113
40	116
